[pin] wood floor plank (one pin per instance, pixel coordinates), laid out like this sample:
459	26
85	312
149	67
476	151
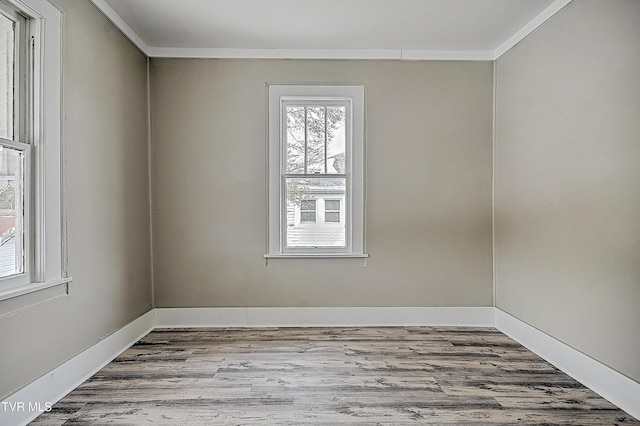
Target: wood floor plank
355	375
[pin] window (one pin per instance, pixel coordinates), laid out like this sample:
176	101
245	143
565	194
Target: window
14	148
316	166
30	205
308	211
331	211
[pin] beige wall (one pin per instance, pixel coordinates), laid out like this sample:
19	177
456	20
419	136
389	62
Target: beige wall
106	199
567	180
428	140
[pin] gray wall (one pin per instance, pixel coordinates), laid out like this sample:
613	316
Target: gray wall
567	180
428	141
106	197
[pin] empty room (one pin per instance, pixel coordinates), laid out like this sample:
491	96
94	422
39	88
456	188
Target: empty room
303	212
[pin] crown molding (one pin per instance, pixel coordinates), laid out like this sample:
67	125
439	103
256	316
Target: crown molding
542	17
447	55
121	24
362	54
358	54
223	53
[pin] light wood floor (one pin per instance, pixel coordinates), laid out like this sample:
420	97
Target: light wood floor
399	375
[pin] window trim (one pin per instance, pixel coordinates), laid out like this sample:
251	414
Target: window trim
354	218
48	263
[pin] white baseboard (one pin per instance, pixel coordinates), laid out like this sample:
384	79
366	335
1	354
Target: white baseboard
50	388
324	317
53	386
608	383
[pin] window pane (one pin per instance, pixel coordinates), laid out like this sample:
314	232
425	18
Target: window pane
332	205
300	194
6	76
332	217
295	140
336	136
308	205
308	217
315	140
11	215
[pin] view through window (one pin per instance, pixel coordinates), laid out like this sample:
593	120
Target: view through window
315	175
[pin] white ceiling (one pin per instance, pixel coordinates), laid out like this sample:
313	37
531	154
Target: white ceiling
397	29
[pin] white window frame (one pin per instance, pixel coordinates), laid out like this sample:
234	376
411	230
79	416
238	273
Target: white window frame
46	266
353	97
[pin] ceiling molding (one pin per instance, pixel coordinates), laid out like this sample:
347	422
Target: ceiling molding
217	53
362	54
120	23
447	55
542	17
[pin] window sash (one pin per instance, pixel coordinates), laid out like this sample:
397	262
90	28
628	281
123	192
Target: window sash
328	240
313	101
22	242
19	138
21	61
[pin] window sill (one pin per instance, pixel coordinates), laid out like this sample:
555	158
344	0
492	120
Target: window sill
31	288
316	256
316	260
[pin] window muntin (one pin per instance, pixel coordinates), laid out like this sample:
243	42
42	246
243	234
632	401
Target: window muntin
316	151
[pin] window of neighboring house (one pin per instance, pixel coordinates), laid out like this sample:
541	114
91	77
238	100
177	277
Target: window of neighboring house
30	205
308	211
332	211
316	150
